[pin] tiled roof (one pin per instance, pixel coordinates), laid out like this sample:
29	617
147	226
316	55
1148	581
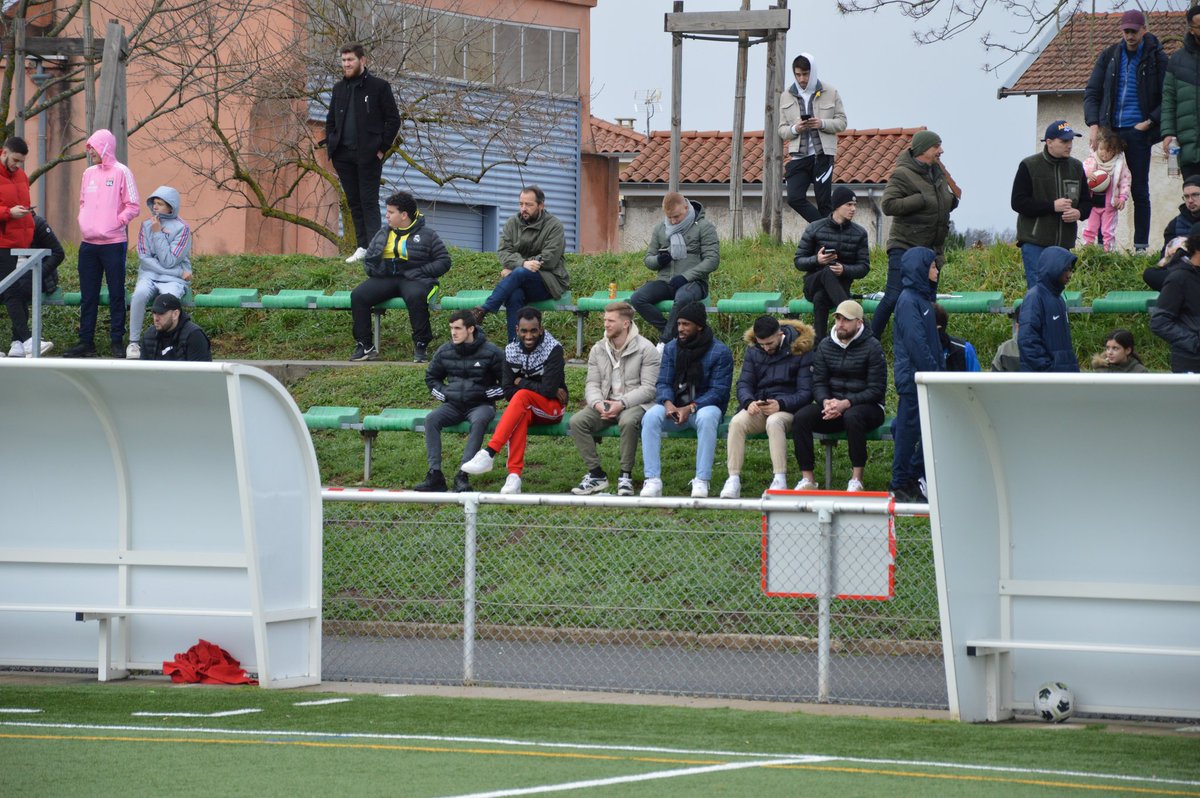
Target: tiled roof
614	138
1065	64
864	156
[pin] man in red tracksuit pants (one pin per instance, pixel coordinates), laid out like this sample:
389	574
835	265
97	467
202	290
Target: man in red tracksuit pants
536	390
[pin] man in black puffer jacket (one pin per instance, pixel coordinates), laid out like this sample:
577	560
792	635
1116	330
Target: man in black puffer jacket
173	335
405	259
832	253
1175	317
464	376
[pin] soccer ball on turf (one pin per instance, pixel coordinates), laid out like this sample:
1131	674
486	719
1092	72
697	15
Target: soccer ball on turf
1054	702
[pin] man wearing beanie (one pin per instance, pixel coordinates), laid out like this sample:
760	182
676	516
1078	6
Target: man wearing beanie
1189	213
919	197
810	117
692	392
832	253
1125	93
1051	196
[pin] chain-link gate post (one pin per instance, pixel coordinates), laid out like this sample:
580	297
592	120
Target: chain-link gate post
824	601
470	519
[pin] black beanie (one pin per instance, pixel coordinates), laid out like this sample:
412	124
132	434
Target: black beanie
694	312
842	195
1194	180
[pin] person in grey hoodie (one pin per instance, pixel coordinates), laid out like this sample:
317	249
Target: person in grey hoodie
810	117
164	251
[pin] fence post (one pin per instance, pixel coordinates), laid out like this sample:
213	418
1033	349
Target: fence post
824	600
470	516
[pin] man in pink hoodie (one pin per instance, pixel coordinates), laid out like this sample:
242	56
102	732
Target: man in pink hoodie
108	202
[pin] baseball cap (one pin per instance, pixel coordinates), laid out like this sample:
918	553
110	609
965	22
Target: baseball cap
1133	20
1060	129
165	302
849	309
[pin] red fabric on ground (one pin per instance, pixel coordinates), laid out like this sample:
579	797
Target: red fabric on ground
206	663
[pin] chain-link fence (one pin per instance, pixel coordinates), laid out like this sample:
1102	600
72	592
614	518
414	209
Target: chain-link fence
575	593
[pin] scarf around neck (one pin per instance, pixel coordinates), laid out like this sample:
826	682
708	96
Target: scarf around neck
674	233
689	357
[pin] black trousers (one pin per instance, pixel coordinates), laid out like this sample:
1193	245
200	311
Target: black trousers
373	290
799	174
856	422
16	298
826	291
361	181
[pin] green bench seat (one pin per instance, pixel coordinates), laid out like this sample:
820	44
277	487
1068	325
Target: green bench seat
1125	302
973	302
1074	300
599	300
804	307
465	300
395	419
750	302
296	298
228	298
330	417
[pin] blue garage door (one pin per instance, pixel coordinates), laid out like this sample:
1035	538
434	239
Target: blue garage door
461	225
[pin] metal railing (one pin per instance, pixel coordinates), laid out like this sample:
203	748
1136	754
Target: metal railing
30	260
632	595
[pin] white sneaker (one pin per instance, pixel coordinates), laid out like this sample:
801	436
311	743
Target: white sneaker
924	486
358	255
511	485
652	487
133	352
806	484
854	486
17	349
28	347
733	487
699	488
481	463
778	482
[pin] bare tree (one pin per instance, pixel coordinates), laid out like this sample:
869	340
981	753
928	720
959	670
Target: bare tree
254	126
1028	20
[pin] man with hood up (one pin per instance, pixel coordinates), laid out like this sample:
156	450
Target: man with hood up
810	117
1044	336
164	251
916	347
684	249
108	202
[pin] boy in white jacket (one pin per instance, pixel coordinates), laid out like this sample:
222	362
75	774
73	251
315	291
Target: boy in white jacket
164	251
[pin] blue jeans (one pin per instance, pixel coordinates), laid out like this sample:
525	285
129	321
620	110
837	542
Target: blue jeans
514	292
891	293
705	421
1030	254
102	262
1137	158
908	461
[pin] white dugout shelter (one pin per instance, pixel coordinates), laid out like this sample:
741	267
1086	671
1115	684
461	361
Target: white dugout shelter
169	503
1066	539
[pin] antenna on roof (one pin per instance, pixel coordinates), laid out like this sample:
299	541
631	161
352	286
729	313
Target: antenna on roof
647	101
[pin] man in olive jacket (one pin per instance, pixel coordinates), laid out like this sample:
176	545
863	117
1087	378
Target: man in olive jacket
684	249
919	197
531	252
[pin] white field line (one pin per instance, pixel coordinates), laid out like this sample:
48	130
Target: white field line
18	711
321	703
658	774
227	713
594	747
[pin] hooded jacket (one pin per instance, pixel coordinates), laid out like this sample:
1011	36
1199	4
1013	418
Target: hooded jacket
1181	225
544	236
466	374
915	345
414	252
637	363
703	250
919	200
1181	100
856	372
166	254
108	195
785	375
1100	94
1175	317
1044	336
14	190
823	102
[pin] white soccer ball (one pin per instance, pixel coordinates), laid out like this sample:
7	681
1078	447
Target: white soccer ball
1054	702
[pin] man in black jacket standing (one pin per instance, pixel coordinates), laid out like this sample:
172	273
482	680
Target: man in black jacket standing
173	335
362	123
849	381
465	376
1139	62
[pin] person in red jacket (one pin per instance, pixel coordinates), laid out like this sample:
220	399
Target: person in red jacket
16	232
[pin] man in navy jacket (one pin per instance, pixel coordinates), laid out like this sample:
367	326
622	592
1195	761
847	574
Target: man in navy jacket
916	347
1044	337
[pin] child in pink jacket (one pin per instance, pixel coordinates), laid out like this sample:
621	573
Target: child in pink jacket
108	202
1108	158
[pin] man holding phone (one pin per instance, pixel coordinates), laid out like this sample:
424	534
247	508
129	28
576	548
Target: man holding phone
810	117
833	252
16	232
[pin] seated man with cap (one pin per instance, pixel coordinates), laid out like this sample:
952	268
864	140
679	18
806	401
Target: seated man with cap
849	380
173	335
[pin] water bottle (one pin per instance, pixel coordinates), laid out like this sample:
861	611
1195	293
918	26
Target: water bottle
1173	160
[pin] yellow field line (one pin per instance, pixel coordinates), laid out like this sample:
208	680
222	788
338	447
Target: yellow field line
428	749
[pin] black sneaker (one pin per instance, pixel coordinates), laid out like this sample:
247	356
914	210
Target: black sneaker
420	353
908	494
434	482
462	483
590	485
364	353
81	349
117	350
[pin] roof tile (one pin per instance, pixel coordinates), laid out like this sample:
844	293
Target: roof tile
610	137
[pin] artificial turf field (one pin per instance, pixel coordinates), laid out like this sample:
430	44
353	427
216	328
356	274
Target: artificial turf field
157	739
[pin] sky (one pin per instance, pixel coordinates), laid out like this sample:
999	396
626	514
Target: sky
885	79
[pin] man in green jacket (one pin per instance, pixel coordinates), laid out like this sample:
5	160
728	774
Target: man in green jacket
684	249
533	268
1181	99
